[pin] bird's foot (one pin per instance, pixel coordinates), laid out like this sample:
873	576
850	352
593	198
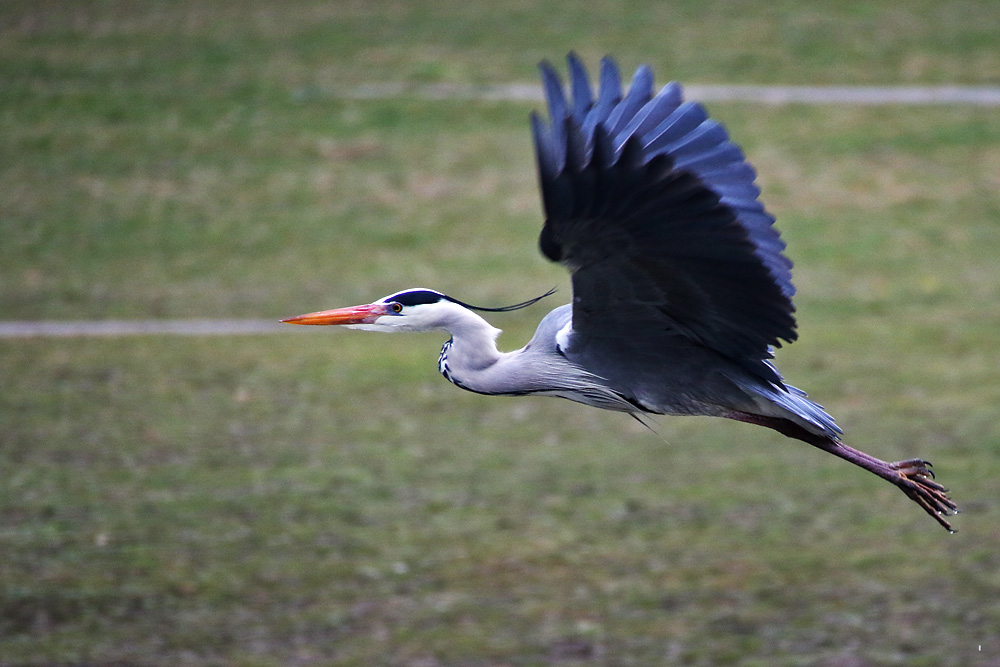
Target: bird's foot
916	480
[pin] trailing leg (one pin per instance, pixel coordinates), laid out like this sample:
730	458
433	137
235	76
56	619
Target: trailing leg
913	477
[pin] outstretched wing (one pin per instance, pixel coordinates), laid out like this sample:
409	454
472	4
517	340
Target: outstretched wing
655	213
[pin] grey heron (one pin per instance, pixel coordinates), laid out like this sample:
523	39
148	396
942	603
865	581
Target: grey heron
681	288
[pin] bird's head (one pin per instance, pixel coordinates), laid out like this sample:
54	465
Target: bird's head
416	309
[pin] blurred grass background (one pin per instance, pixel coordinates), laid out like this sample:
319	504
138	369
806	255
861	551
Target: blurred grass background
326	498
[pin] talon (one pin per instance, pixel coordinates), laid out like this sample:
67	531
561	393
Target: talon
916	480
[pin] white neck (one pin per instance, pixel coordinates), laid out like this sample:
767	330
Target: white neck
474	340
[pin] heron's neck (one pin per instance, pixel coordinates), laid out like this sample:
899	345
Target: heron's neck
473	342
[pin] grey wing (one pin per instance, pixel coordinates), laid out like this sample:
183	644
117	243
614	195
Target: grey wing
655	213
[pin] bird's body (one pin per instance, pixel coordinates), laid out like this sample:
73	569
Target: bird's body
656	384
680	285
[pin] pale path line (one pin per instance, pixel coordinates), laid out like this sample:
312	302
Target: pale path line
117	328
988	96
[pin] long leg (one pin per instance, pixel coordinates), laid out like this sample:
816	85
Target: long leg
913	477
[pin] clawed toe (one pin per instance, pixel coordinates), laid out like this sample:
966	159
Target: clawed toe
913	467
917	481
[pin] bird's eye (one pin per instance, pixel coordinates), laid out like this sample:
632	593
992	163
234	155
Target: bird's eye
397	307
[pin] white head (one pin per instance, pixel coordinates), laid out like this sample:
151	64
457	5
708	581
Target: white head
416	309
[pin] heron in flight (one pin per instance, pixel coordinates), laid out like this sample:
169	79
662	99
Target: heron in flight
680	286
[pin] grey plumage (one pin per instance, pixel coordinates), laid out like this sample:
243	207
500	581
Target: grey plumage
680	283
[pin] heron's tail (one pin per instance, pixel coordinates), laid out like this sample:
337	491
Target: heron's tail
792	403
796	401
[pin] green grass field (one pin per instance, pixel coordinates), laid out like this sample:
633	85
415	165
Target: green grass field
324	497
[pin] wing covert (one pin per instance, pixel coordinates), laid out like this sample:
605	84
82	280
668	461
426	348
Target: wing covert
655	213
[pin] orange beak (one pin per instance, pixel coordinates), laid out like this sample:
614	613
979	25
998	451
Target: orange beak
354	315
